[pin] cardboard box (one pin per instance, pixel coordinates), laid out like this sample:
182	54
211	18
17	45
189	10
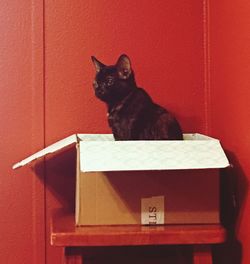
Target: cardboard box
144	182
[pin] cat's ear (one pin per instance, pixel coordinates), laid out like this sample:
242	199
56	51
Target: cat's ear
123	66
98	65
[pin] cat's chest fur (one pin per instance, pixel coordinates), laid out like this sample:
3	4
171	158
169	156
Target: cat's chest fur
122	117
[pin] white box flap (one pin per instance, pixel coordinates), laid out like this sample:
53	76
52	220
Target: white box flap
194	152
50	149
95	137
100	152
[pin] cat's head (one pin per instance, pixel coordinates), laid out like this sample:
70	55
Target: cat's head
115	82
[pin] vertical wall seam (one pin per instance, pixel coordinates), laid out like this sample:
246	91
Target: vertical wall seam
44	132
37	129
44	77
207	64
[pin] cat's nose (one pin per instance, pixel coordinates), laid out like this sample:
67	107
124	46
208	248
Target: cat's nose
98	90
102	86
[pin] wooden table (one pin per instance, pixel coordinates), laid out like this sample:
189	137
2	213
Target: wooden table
74	239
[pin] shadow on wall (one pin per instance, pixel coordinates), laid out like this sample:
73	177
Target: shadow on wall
139	255
58	173
234	188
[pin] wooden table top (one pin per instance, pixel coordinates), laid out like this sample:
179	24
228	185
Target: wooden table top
65	233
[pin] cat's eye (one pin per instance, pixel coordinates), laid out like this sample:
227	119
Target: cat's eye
110	81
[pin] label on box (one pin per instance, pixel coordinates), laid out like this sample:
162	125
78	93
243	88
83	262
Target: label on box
152	210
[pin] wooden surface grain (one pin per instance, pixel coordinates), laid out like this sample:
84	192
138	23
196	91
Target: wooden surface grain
65	233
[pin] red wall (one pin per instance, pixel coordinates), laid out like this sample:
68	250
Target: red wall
163	39
46	92
229	102
21	132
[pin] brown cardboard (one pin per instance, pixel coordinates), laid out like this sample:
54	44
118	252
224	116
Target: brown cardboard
114	198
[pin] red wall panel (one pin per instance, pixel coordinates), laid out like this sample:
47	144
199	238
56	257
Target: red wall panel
163	38
21	132
230	96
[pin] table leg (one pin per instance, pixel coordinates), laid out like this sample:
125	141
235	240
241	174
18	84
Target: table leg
202	254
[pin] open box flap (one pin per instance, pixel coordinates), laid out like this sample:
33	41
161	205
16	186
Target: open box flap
73	139
196	151
99	152
95	137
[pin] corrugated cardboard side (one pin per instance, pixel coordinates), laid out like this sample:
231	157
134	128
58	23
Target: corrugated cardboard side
114	198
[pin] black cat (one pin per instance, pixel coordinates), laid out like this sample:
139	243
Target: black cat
132	115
